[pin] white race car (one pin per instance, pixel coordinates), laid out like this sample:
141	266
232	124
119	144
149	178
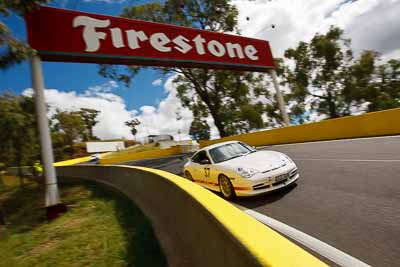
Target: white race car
237	169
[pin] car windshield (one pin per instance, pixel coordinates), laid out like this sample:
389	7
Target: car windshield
230	151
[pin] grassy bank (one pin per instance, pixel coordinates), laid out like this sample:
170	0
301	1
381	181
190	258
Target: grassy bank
101	228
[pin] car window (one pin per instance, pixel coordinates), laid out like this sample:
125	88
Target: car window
201	155
252	149
229	151
195	158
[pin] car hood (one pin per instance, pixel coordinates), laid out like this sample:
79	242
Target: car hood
261	161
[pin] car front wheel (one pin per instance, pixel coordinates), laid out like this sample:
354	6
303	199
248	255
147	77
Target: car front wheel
226	187
188	176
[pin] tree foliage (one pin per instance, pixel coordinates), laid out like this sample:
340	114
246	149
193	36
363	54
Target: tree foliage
223	95
133	124
89	116
70	126
199	130
318	72
18	134
14	51
326	77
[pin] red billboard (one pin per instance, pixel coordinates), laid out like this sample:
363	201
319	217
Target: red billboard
72	36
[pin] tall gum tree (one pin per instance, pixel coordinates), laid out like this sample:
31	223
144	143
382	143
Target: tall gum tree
223	95
326	76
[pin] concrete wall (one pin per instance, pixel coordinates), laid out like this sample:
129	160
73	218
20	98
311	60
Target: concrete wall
367	125
149	154
195	226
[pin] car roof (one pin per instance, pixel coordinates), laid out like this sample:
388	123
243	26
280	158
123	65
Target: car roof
218	144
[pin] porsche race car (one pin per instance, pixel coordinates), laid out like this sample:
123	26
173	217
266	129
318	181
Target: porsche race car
237	169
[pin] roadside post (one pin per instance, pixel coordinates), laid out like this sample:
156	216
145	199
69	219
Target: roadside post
52	198
281	101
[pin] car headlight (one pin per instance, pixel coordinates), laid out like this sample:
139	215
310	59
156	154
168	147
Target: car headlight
285	158
247	172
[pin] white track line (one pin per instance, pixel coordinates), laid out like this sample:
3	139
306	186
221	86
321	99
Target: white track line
337	256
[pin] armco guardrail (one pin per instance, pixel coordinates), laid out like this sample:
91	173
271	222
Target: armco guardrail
367	125
148	154
195	227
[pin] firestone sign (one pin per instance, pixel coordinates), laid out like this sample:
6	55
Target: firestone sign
65	35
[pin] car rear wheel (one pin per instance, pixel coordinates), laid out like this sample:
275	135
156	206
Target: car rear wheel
188	176
226	187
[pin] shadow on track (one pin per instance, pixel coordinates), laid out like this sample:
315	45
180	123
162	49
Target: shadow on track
262	200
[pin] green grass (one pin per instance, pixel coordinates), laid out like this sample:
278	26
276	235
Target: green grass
101	228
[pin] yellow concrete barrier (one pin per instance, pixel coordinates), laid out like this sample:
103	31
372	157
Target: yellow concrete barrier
372	124
72	161
77	160
195	226
149	154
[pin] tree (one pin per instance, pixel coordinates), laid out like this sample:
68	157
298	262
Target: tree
89	119
199	130
133	124
329	80
385	90
71	125
14	51
318	72
220	94
18	132
358	82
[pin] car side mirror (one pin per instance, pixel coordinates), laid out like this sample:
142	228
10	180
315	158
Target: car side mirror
205	161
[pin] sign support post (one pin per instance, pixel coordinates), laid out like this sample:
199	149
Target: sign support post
281	101
52	197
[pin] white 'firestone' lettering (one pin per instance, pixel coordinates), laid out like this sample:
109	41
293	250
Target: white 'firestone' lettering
231	50
216	48
158	41
199	41
182	44
251	52
90	36
116	37
134	37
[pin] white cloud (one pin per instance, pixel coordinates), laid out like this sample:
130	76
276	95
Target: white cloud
114	112
371	24
157	82
163	119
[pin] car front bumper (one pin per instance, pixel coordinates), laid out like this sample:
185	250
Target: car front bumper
267	188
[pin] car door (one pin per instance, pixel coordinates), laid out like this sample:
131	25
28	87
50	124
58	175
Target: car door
195	167
211	172
204	169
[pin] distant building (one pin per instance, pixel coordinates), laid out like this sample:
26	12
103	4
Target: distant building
97	147
158	138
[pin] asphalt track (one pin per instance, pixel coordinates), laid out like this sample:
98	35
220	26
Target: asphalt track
348	195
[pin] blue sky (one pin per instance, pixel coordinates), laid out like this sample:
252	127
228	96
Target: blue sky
77	76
